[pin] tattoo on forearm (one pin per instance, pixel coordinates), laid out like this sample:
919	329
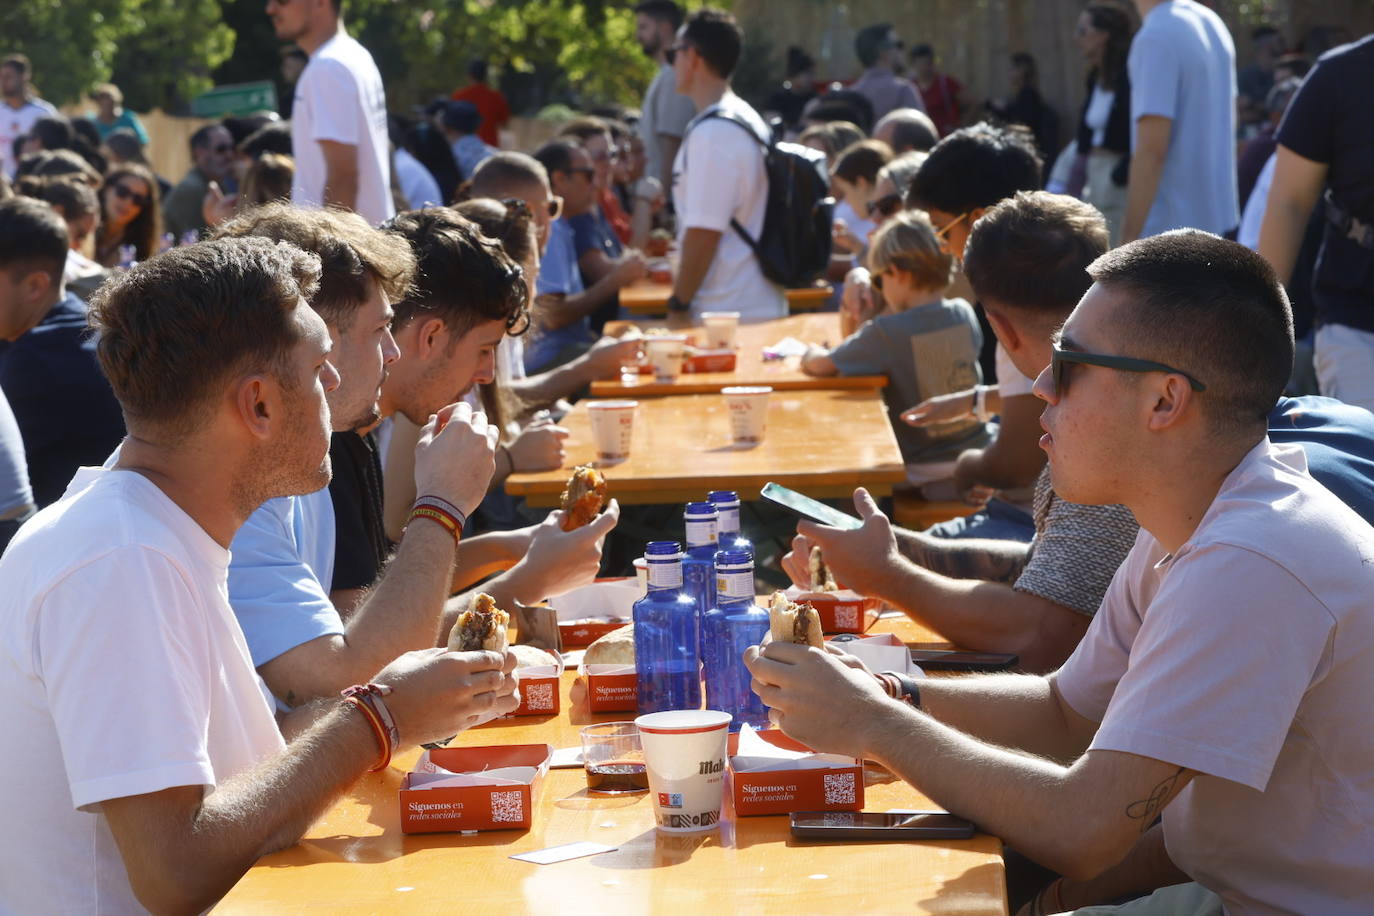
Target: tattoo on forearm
1148	808
966	559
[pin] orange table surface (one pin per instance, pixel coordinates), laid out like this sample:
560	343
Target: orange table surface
821	328
647	297
823	443
356	860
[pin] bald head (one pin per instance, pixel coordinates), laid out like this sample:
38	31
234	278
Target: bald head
907	129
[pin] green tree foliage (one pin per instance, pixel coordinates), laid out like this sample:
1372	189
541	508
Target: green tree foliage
167	56
72	43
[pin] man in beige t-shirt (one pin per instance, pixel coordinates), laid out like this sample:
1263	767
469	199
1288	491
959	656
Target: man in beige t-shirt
1222	686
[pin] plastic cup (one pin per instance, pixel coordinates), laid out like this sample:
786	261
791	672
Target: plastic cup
613	759
612	424
685	753
642	572
748	406
665	356
720	329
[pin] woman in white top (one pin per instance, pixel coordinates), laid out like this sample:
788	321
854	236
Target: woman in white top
1104	36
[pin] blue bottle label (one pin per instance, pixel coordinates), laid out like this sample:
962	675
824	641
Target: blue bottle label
665	575
701	532
735	584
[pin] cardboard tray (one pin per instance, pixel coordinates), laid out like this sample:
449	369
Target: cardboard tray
843	611
508	807
588	613
832	788
540	693
610	692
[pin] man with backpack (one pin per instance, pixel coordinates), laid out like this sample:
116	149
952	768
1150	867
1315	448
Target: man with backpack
719	179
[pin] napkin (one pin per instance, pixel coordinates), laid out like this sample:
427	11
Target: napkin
755	754
788	346
439	778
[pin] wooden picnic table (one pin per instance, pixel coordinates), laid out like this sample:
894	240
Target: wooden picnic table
823	443
649	297
356	860
751	368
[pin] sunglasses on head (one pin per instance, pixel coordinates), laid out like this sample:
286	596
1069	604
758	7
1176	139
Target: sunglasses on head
887	205
1060	360
124	193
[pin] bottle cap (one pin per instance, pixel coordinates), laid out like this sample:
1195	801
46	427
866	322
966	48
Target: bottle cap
734	557
663	550
723	496
700	510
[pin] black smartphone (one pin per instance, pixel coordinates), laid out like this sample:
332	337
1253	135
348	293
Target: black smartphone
808	508
875	825
944	660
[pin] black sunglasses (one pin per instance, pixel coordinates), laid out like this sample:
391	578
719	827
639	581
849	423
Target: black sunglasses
123	193
670	53
887	205
1060	359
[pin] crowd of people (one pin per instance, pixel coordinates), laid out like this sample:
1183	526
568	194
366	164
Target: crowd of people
234	410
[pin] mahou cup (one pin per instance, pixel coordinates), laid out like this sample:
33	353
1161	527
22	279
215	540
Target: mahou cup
685	753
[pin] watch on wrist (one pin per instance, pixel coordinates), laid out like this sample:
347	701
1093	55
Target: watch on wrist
677	305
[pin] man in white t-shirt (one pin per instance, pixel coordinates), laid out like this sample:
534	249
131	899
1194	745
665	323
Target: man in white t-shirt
338	119
19	107
1183	122
719	176
664	115
150	772
1224	682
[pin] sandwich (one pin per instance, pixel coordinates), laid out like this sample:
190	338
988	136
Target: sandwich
790	622
821	579
584	497
615	648
531	657
482	626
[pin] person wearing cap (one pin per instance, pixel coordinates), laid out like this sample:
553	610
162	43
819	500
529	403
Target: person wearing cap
879	49
460	121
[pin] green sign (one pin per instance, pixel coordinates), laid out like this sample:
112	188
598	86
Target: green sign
236	99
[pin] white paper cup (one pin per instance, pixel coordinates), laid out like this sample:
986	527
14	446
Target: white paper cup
612	424
685	753
720	329
642	572
748	406
665	356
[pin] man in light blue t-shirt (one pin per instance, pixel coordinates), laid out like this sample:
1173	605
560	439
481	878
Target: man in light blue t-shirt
1183	101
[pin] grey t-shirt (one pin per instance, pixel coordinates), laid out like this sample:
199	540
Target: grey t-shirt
1076	550
924	351
1183	67
665	112
15	492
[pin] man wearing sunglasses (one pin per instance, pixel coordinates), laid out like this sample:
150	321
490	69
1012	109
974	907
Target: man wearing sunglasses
1222	684
212	151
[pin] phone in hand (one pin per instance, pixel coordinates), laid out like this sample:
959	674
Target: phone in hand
946	660
877	825
808	508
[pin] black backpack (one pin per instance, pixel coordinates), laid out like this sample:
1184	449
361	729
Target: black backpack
794	247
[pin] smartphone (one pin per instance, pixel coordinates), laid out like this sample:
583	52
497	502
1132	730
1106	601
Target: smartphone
942	660
808	508
875	825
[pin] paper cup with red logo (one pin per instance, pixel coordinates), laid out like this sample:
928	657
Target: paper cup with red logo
748	406
684	750
720	329
666	354
612	424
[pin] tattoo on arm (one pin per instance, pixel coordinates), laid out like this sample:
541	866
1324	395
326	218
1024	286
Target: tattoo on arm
991	561
1147	809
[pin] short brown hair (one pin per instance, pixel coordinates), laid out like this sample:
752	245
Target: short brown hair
908	242
862	160
462	276
350	251
174	329
509	222
1032	252
503	173
585	127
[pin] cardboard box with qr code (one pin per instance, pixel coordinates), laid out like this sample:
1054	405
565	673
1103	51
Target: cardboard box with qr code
841	611
474	788
540	693
769	773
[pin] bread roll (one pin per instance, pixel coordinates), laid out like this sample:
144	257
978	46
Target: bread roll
615	648
789	622
584	497
531	657
821	579
482	626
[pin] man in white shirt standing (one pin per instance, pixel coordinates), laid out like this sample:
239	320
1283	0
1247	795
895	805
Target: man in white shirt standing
150	773
1222	686
19	107
338	119
719	177
1182	67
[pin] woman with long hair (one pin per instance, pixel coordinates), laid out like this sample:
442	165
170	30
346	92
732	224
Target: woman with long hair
1103	35
130	214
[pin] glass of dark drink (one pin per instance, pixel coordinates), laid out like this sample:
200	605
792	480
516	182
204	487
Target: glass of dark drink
614	759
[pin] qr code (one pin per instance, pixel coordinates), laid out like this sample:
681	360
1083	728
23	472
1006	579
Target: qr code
839	789
846	617
538	696
507	807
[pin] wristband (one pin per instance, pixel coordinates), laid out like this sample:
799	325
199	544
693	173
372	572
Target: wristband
902	687
372	695
980	404
378	731
677	305
439	511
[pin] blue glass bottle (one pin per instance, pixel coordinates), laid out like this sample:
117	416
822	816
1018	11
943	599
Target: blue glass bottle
735	624
699	565
667	634
728	526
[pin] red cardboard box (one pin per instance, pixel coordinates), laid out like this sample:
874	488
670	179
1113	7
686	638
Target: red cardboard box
709	361
588	613
539	690
610	688
837	787
473	802
844	611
